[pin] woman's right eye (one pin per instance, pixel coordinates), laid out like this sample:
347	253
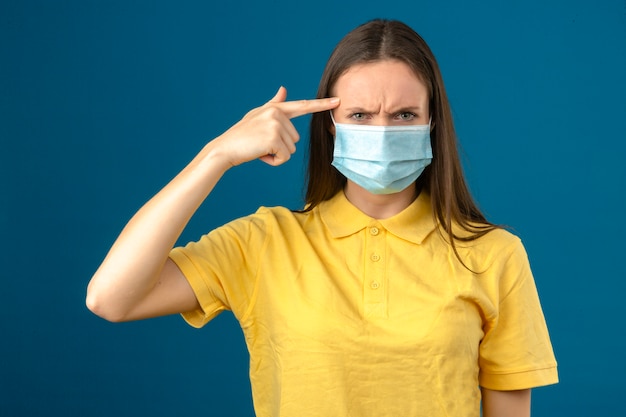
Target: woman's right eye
358	116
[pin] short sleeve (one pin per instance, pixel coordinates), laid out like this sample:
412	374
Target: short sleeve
516	352
222	267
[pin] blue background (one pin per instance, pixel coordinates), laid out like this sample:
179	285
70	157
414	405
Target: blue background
102	102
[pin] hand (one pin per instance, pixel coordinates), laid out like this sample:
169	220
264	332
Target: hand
266	132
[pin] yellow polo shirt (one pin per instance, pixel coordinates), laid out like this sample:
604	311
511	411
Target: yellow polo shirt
346	315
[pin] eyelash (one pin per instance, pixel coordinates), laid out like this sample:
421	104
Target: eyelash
358	116
412	115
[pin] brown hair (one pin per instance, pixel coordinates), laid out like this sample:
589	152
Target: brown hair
379	40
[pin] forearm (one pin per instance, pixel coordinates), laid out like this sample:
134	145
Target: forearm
506	403
133	265
132	281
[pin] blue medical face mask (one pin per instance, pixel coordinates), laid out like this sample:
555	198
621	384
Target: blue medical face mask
382	159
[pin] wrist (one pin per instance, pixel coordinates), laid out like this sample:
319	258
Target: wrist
214	158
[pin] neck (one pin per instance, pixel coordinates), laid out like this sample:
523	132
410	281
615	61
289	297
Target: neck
379	206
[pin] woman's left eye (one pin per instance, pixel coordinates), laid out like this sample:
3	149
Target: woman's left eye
406	116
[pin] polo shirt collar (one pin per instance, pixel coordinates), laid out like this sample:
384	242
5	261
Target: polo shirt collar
413	223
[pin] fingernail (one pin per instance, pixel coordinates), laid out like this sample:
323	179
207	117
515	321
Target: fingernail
334	100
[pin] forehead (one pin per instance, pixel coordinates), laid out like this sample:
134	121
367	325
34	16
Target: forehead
388	79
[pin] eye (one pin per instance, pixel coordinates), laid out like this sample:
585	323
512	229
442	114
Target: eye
406	116
358	116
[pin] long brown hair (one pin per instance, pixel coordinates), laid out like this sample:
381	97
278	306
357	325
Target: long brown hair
443	179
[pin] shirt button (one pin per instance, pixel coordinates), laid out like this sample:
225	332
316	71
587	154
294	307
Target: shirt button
375	258
374	231
375	285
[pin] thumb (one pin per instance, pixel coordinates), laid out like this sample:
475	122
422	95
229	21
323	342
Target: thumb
281	95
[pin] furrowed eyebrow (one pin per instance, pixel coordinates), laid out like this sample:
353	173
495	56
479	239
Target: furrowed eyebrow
410	109
358	110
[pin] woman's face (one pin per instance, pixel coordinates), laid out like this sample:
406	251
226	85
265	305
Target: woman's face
383	93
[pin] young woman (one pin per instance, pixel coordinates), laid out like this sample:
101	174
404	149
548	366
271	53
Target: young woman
389	294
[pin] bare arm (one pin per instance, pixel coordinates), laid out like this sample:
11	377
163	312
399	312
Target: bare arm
506	403
137	280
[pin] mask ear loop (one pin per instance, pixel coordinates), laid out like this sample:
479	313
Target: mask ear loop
332	117
332	129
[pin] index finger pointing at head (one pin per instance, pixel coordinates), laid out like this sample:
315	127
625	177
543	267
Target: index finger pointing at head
301	107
